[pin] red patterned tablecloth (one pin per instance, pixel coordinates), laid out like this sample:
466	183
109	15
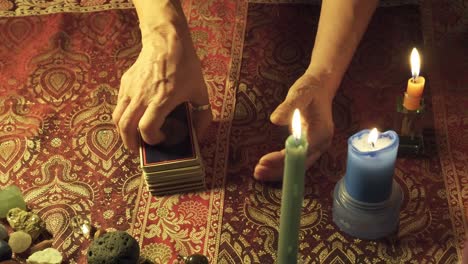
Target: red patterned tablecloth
60	69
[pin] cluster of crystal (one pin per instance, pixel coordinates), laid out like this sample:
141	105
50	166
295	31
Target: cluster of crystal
28	222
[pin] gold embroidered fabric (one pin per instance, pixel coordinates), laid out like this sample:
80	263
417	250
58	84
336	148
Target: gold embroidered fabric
60	69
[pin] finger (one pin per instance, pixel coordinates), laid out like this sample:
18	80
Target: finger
270	167
153	118
203	118
128	124
312	158
268	174
298	97
272	158
319	135
119	110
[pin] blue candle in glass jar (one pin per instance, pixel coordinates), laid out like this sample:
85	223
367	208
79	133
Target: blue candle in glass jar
370	165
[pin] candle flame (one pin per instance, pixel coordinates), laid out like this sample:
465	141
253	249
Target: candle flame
415	63
373	135
296	124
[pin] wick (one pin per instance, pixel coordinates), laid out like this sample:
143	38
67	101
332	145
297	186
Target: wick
414	78
372	144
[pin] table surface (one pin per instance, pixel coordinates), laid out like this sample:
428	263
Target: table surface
59	79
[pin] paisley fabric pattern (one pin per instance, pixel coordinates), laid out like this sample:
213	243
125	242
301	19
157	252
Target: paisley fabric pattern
60	69
59	81
276	52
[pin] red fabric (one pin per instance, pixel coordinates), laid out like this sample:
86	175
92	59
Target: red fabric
59	77
59	81
276	51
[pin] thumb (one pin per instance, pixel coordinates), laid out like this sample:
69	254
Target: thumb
298	96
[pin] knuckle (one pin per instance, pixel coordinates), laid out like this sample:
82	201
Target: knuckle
145	127
125	125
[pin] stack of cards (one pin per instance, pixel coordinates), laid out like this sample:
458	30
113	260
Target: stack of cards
174	166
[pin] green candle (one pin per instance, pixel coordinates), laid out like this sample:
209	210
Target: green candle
292	193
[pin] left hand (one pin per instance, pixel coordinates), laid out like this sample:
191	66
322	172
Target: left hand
314	102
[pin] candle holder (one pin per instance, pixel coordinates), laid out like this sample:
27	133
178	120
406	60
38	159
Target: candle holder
408	125
366	220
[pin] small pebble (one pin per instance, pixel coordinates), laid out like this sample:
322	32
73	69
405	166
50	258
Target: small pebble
46	256
195	259
3	232
5	251
19	241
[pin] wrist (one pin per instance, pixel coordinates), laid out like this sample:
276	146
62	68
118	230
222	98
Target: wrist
327	78
158	36
167	18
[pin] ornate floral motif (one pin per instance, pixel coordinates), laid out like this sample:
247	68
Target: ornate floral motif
96	140
167	224
5	5
35	7
56	192
157	253
20	127
59	73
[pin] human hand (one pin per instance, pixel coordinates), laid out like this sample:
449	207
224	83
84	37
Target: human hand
314	102
166	73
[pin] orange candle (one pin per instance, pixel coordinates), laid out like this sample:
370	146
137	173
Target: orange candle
415	87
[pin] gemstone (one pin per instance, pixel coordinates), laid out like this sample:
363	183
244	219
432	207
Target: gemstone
5	251
48	255
195	259
3	232
28	222
11	197
19	241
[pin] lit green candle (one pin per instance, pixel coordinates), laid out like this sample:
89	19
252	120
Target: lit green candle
292	193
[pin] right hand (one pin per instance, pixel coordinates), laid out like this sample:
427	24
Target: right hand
309	95
166	73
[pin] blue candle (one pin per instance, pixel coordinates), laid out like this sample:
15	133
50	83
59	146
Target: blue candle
370	165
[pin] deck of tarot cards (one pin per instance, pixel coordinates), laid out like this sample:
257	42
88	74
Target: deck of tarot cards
175	165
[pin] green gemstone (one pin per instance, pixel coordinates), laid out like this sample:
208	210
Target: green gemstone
11	197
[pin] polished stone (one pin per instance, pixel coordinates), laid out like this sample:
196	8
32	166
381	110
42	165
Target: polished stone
19	241
11	197
46	256
5	251
3	232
